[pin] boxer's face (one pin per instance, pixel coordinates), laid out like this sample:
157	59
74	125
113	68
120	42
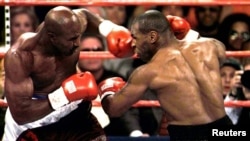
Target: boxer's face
68	41
141	43
67	44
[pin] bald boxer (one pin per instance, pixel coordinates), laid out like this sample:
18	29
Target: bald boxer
183	73
47	99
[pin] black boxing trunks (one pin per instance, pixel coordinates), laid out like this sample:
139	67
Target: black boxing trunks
79	125
197	132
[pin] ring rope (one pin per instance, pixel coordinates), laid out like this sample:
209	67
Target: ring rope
108	55
238	53
122	2
155	103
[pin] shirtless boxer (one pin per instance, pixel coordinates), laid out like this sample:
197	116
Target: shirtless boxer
40	75
184	74
47	99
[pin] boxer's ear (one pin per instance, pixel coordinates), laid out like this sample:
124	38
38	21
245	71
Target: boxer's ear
52	36
153	36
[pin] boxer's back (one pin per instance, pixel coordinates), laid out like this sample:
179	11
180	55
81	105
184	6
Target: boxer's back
187	78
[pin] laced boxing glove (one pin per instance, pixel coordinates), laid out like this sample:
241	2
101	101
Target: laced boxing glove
76	87
118	38
110	86
182	29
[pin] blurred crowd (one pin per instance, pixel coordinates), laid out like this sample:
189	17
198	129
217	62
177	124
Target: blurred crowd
230	26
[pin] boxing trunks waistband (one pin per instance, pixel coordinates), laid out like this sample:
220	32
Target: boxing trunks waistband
39	96
197	132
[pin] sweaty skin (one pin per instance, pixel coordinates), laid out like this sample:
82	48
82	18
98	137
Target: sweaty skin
39	62
185	76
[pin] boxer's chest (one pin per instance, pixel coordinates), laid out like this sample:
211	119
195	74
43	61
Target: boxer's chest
49	72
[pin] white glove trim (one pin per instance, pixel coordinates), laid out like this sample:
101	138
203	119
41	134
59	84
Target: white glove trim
106	86
191	35
106	94
57	98
106	27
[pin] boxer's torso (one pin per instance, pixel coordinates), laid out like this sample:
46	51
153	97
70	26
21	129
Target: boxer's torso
46	71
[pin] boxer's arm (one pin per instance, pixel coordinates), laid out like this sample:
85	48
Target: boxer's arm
116	104
89	20
19	88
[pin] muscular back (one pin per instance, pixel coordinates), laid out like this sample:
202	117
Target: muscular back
187	81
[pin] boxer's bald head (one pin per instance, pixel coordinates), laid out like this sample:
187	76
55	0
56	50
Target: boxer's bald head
59	19
63	29
150	31
152	20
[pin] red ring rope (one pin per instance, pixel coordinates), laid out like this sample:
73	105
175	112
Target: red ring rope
155	103
108	55
122	2
238	53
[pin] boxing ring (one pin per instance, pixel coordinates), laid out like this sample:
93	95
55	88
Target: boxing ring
107	54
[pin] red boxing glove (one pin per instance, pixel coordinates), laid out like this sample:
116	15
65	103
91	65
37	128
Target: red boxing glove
110	86
182	29
119	39
179	26
76	87
119	43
